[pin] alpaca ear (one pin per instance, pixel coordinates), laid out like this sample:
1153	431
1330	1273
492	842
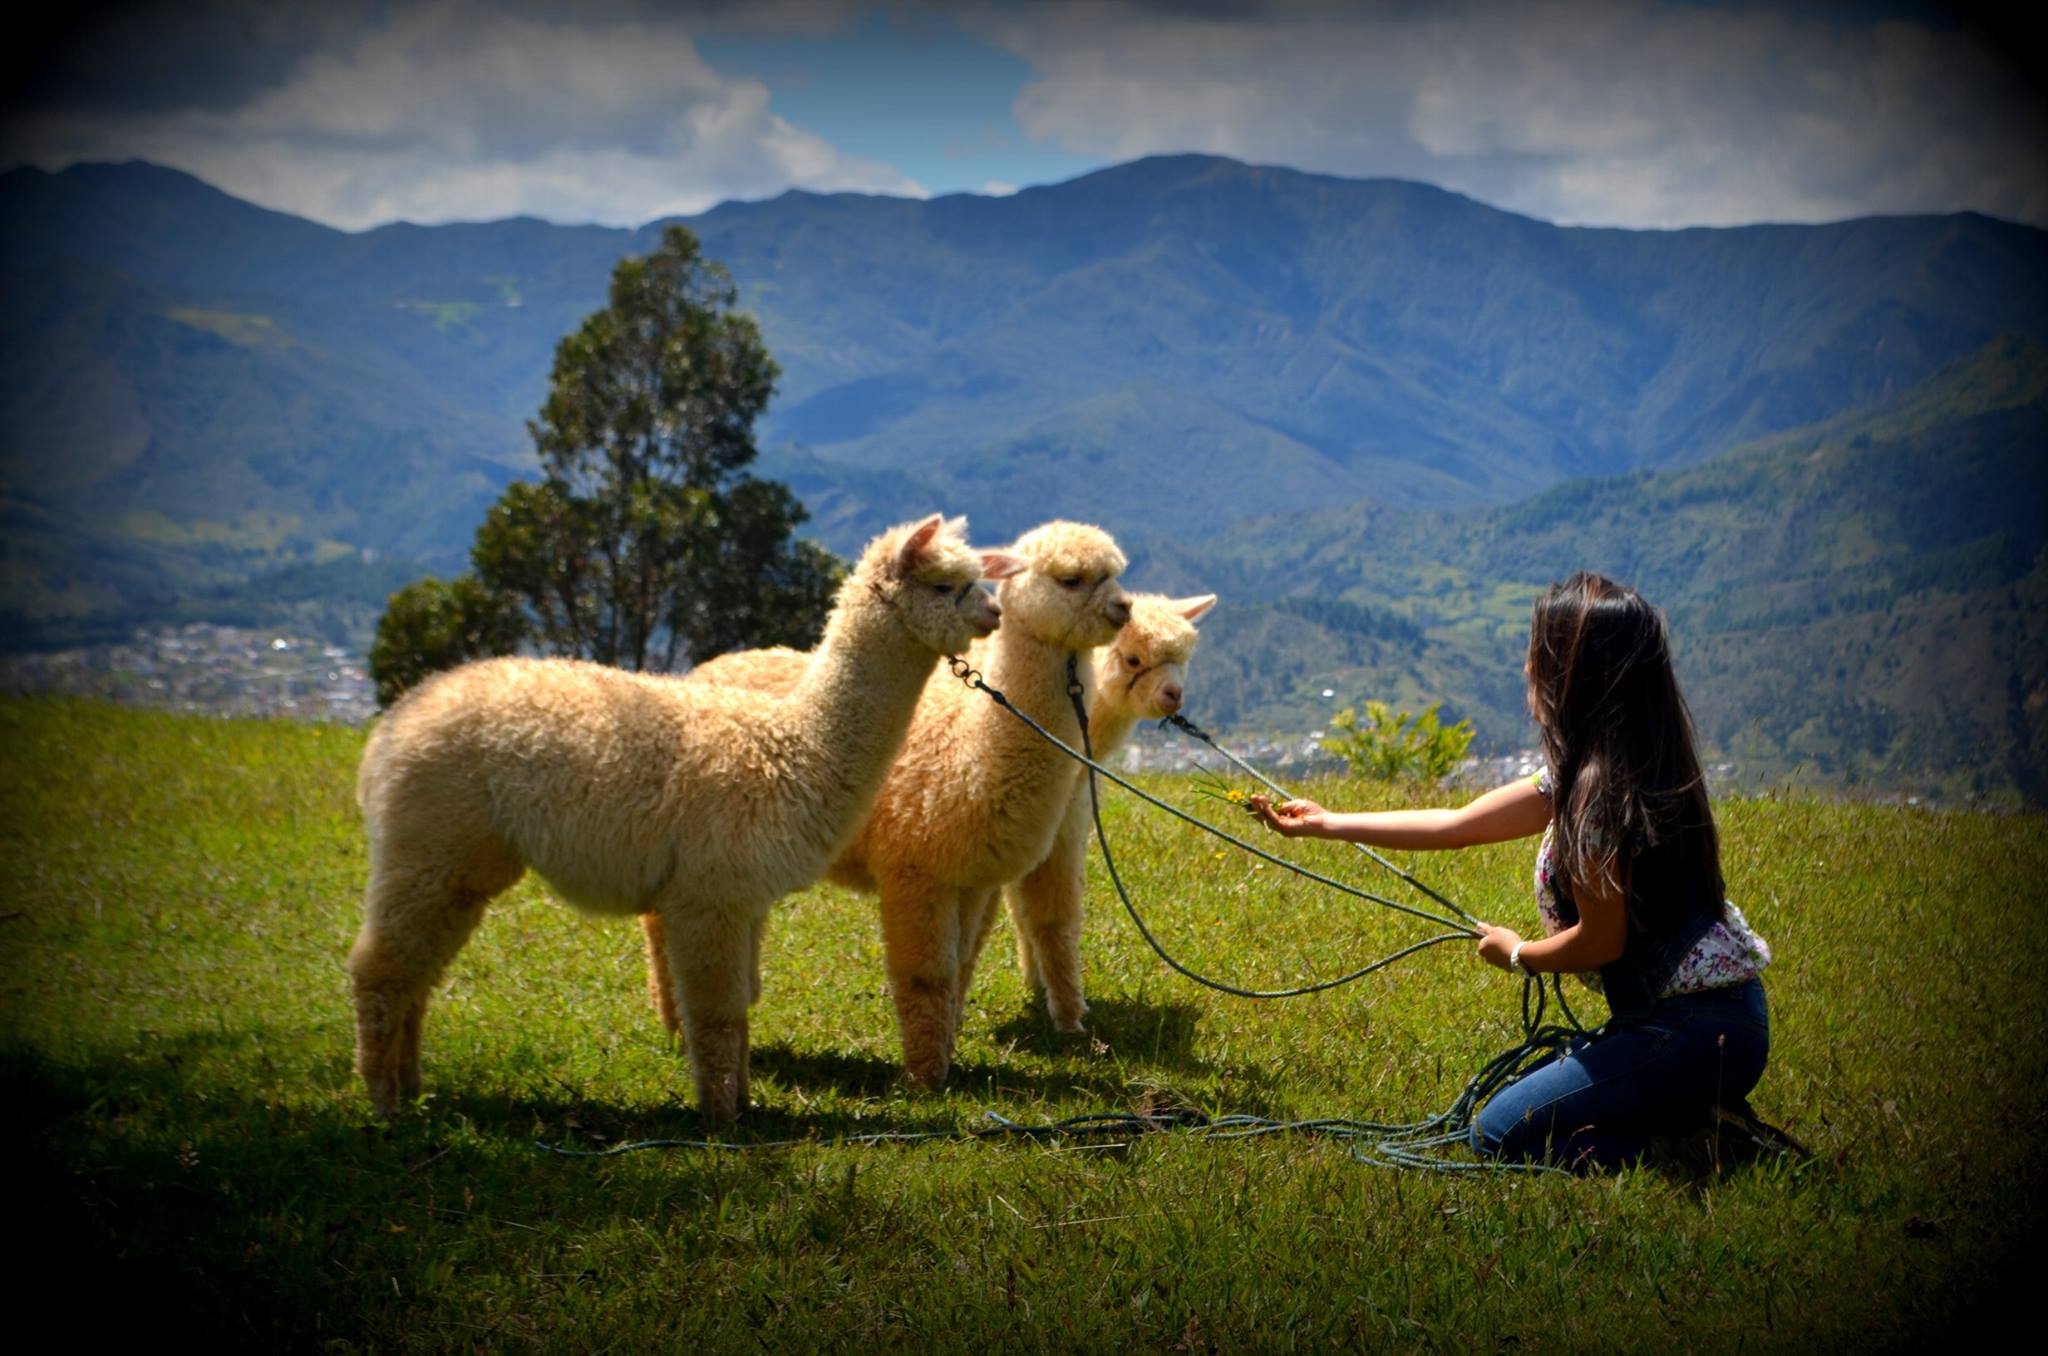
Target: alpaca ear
1191	608
1002	564
917	543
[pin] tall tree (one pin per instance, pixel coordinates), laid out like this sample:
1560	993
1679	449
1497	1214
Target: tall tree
646	544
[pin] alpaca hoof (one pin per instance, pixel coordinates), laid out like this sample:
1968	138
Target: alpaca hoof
1069	1026
926	1077
723	1106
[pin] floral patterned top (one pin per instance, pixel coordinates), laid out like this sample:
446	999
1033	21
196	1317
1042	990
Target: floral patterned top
1729	953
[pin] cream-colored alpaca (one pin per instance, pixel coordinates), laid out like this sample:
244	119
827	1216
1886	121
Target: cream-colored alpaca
1139	676
975	797
631	793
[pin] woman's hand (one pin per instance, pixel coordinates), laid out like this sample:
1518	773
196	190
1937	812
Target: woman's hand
1293	818
1497	944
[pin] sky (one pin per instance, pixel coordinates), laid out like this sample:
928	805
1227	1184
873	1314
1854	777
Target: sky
1637	113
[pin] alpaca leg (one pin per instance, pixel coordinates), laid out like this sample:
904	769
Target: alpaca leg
709	956
661	985
408	1061
977	916
920	945
415	920
1046	907
1027	951
754	993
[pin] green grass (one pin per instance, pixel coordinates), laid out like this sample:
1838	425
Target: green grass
189	1141
240	329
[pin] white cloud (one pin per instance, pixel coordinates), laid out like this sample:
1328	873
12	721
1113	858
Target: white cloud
1623	112
461	110
998	188
1594	111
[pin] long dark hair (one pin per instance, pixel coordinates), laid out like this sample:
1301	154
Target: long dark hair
1630	799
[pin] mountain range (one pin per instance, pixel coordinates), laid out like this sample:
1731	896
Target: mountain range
1373	413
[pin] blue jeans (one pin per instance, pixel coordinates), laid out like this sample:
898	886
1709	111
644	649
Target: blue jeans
1596	1106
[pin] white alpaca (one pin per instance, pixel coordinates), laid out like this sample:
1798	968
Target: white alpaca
975	797
1139	676
631	793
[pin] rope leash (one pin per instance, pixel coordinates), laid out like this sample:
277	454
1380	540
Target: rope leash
1074	695
1188	727
1412	1145
1371	1142
994	1125
1409	1145
972	677
1404	1145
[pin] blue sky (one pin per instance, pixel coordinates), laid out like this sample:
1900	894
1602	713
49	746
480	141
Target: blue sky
1640	113
910	89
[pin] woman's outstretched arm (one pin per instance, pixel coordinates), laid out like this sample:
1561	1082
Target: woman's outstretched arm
1595	940
1516	810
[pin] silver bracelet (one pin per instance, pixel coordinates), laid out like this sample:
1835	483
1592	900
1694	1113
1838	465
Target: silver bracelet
1515	960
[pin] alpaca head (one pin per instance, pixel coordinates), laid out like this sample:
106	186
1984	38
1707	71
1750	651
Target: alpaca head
1067	595
1143	670
925	572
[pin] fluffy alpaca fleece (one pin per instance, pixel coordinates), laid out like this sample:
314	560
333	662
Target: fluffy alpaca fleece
632	793
1139	676
975	797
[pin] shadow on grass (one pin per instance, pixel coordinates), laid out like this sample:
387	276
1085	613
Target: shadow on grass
213	1188
1161	1033
196	1199
1097	1080
179	1178
153	1110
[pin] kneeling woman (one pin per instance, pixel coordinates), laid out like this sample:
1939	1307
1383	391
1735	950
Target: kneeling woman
1628	881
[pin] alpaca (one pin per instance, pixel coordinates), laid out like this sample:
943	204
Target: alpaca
631	793
1138	677
975	797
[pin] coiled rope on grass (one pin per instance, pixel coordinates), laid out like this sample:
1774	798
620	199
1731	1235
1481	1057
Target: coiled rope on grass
1415	1145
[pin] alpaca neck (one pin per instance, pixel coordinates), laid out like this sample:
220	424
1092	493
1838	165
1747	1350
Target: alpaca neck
1032	673
861	688
1110	721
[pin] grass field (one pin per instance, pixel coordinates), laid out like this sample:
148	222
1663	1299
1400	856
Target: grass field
192	1153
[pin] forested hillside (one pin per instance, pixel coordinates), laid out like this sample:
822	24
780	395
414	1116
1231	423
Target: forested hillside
1867	597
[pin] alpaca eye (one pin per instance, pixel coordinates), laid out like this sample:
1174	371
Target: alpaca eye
1072	583
1131	660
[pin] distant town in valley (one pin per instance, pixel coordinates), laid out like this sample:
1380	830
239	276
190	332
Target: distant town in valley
204	669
